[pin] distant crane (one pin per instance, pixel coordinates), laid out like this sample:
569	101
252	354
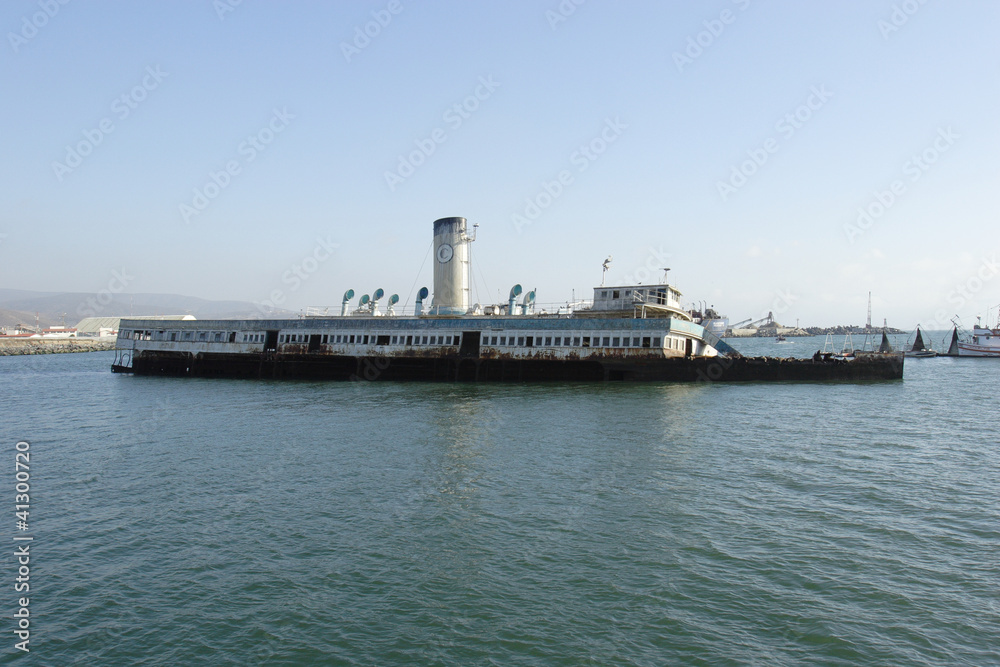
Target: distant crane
754	324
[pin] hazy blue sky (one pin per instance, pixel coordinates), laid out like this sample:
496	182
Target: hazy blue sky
733	141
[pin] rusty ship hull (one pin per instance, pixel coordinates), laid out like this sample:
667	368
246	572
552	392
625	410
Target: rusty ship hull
453	366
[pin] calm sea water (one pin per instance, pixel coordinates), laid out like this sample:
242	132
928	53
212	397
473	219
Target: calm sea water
186	522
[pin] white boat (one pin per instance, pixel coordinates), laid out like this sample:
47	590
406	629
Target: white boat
982	342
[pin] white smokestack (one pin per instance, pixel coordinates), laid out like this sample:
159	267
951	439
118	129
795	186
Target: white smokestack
451	267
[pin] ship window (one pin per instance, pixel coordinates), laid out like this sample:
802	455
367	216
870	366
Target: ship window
202	335
548	341
395	340
529	341
656	342
636	343
520	341
382	340
424	341
187	335
351	339
615	294
366	340
232	337
218	337
503	340
604	294
576	341
645	341
615	342
557	341
606	342
586	341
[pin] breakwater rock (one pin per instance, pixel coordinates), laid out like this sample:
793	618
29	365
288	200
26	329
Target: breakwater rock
17	346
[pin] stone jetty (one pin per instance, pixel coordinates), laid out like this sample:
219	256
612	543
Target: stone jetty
17	346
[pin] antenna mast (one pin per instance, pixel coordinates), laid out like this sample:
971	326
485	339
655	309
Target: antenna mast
869	324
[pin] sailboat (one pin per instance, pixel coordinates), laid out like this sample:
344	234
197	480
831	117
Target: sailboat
919	349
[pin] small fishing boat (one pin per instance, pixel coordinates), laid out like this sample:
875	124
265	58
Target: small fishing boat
983	342
919	349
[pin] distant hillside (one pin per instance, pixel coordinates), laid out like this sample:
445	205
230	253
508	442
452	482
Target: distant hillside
11	318
20	306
